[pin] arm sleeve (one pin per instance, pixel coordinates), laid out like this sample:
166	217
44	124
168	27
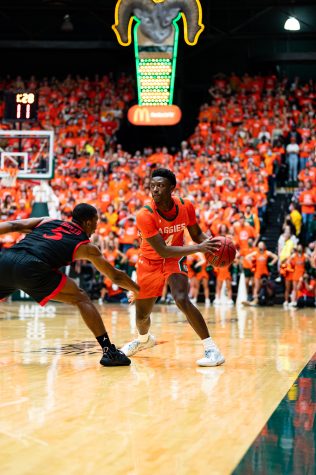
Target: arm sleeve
191	212
146	224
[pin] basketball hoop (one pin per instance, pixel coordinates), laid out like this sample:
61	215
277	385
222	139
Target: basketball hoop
9	178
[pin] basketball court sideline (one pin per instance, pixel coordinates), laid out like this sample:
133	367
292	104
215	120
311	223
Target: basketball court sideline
163	414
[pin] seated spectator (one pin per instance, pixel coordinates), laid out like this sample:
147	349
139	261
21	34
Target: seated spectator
306	292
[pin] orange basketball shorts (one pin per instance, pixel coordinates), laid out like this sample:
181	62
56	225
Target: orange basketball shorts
152	274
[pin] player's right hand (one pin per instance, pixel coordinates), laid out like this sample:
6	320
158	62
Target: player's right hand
211	245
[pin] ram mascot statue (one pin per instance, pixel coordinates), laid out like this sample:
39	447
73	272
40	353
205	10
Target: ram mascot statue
156	17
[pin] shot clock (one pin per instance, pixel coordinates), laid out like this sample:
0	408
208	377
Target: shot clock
20	106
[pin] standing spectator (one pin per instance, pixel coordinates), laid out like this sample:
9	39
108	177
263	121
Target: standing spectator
223	275
286	243
298	261
261	257
292	157
296	218
307	200
200	277
293	134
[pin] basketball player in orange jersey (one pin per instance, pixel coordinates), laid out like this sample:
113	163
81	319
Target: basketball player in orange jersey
261	267
162	259
50	244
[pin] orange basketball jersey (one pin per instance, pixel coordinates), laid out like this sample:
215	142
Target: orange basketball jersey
150	222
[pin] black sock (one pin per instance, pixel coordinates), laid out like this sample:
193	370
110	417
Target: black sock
104	340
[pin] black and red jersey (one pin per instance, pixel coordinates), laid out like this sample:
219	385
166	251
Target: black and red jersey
53	242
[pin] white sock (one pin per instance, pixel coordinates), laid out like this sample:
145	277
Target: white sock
208	343
143	338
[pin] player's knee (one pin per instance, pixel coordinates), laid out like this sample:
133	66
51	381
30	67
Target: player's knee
80	297
182	300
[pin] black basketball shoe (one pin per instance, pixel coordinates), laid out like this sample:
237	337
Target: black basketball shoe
114	357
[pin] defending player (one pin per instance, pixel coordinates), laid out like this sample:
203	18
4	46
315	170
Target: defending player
162	258
50	244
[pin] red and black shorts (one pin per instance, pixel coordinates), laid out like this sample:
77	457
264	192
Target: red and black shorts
21	271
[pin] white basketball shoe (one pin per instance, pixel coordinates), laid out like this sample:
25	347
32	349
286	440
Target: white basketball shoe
129	349
212	357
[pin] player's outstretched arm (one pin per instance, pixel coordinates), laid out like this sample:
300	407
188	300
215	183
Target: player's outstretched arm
197	234
93	254
158	244
20	226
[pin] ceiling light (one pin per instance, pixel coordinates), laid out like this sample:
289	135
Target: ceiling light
292	24
67	25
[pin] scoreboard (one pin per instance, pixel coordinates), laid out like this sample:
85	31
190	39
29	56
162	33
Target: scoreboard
153	25
20	106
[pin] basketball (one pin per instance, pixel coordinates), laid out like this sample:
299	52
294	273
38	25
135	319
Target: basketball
225	255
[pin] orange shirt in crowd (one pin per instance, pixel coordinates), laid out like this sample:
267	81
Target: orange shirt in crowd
307	200
132	255
243	233
303	291
128	233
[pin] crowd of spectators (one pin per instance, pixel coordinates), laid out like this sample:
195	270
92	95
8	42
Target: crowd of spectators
253	134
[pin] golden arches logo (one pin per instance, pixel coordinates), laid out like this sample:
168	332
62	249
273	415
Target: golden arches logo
141	114
154	115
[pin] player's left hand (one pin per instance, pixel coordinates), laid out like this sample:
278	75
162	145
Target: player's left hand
131	297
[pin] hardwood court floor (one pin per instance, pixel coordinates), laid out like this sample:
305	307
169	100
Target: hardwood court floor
62	413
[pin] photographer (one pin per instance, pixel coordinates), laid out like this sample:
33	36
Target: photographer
306	292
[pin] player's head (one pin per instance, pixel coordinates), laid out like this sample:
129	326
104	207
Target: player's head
86	216
162	184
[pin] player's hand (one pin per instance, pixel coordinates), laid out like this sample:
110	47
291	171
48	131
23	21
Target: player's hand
132	296
211	245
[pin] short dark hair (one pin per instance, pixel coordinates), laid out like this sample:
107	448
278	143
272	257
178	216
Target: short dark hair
165	173
83	212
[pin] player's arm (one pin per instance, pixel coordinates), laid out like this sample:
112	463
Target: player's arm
149	230
159	245
93	254
20	226
196	233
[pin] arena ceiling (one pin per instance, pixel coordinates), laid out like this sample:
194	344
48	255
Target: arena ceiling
38	23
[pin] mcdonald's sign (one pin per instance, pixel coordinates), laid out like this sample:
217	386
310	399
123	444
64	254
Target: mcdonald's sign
154	115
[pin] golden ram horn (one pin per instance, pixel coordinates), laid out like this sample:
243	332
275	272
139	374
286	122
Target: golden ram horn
124	18
192	18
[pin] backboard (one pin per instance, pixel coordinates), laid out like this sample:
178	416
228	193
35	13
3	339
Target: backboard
27	153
